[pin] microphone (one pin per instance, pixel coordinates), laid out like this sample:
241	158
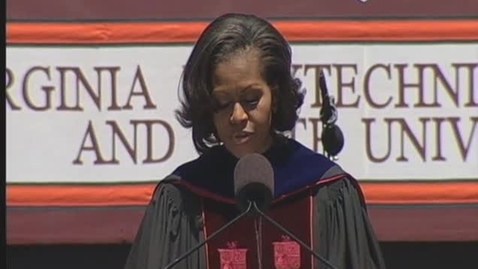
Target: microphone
332	139
332	135
253	182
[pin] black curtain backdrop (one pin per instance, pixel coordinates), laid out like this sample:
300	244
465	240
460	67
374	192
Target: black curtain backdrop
398	255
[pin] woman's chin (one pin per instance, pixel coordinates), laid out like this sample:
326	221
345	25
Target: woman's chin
240	151
240	148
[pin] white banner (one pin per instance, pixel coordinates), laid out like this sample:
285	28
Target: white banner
106	114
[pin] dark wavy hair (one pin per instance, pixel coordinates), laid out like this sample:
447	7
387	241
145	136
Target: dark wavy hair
222	38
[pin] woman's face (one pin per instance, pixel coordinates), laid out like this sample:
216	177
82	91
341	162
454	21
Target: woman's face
243	103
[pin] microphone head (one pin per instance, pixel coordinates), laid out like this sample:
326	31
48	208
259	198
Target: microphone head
253	182
332	139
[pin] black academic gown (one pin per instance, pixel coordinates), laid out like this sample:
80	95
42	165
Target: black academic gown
314	198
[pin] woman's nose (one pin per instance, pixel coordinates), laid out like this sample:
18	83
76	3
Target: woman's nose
238	114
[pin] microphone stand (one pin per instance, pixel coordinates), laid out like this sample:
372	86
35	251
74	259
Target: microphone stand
213	235
251	209
280	227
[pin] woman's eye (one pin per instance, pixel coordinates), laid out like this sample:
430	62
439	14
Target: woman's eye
251	103
221	105
246	103
224	105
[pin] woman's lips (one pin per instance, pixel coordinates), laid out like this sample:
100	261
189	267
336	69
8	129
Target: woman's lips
241	137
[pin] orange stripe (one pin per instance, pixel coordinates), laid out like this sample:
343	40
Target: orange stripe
422	192
174	32
79	195
139	194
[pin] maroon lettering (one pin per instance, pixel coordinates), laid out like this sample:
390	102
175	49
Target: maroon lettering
369	138
367	89
139	78
46	89
464	149
342	85
129	143
9	82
